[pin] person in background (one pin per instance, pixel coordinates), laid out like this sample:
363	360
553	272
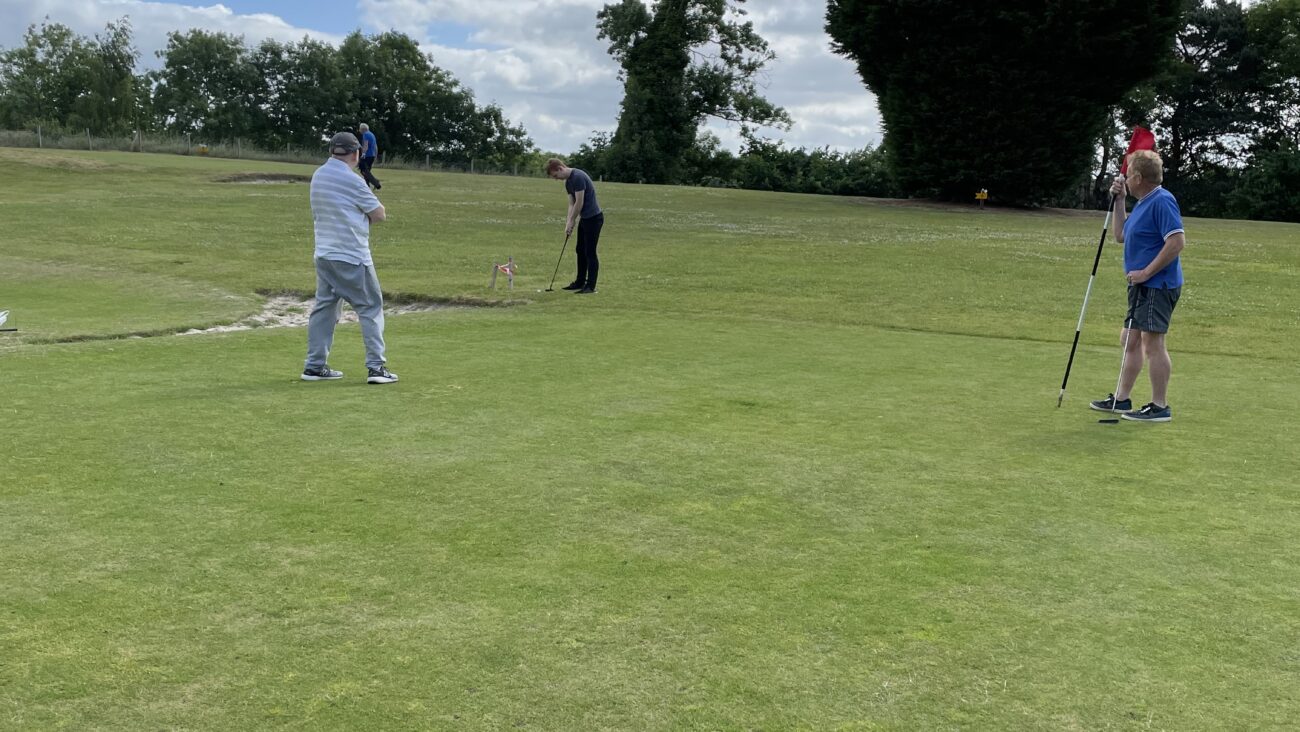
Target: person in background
369	150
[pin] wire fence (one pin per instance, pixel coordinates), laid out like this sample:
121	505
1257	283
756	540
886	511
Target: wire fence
237	149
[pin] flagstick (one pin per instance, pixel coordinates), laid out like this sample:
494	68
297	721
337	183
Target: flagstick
1086	294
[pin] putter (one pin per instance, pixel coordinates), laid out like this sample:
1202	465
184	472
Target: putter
1086	294
551	287
1123	357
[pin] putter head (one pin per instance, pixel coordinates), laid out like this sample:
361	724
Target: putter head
1108	421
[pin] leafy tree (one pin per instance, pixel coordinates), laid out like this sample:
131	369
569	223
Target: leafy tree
1208	92
1225	96
1275	27
109	105
209	86
1269	188
416	108
593	155
1006	96
682	61
59	78
306	94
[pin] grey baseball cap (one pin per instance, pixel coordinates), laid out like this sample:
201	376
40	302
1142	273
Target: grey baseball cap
344	143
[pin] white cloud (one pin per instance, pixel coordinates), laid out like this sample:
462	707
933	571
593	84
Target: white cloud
540	60
150	21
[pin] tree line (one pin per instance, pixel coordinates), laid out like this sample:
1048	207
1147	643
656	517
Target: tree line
1031	100
216	88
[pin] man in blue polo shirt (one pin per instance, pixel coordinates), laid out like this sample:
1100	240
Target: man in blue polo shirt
369	150
1153	238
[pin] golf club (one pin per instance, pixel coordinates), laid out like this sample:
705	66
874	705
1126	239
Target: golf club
1086	294
551	287
1123	358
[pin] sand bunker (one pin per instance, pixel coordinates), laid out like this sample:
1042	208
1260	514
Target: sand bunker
284	311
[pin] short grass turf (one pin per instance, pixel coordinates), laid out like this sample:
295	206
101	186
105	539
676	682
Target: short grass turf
798	465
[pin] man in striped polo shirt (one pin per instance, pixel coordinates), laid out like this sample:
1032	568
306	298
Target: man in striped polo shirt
343	208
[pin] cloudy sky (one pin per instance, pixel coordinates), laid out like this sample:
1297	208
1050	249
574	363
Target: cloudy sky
539	59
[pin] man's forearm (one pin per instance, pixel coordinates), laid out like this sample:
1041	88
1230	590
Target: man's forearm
1168	253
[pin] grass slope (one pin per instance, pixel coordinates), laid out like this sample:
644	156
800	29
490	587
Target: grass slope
798	465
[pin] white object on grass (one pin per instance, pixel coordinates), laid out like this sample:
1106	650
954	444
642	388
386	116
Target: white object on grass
4	315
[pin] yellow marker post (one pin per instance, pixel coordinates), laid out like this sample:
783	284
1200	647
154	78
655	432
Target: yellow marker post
982	196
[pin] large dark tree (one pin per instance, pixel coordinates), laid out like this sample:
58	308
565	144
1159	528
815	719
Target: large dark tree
1209	95
1007	96
682	61
1274	25
1225	100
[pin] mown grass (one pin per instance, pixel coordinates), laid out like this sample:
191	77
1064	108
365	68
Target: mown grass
797	466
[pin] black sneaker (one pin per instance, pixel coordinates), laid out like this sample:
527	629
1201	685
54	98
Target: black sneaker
572	286
381	375
587	291
1150	413
1110	405
324	373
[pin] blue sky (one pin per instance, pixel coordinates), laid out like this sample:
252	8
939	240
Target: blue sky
540	60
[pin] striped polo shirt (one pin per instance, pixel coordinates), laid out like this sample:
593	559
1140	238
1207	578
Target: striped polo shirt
340	200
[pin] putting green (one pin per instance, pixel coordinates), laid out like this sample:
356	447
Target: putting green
798	465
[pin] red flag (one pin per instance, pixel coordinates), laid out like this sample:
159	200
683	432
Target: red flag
1142	140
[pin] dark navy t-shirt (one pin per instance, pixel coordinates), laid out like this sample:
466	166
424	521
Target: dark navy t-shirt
579	181
1154	219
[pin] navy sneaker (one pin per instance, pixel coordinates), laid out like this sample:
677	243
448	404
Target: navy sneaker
1110	405
381	375
587	291
324	373
1150	413
572	286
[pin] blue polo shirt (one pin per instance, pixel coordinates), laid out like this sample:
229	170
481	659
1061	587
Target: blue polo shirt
370	144
1154	219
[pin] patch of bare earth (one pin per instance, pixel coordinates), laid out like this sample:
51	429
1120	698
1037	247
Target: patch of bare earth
264	178
287	311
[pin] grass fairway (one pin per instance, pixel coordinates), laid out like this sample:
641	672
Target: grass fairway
798	465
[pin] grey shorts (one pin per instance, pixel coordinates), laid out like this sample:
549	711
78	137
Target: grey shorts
1151	308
